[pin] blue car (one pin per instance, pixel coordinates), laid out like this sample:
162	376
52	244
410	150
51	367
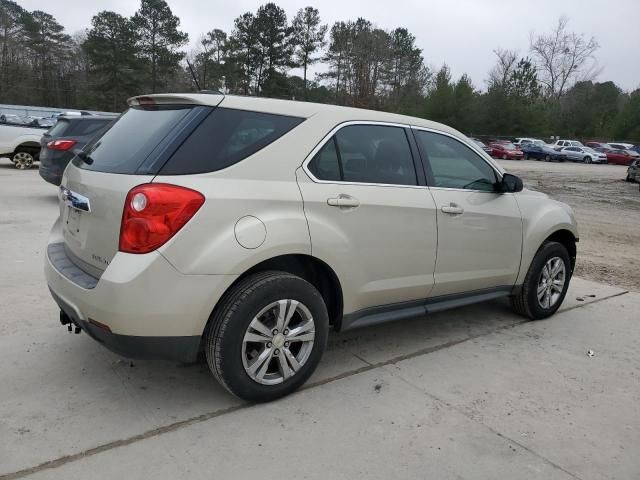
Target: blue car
542	152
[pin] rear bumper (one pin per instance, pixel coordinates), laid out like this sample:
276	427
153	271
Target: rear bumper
52	165
51	174
146	308
180	349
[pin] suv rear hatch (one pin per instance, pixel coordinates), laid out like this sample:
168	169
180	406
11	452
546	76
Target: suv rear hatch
130	153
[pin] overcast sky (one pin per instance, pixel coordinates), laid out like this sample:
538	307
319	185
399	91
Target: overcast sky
461	33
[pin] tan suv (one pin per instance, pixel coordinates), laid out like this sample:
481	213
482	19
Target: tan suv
246	228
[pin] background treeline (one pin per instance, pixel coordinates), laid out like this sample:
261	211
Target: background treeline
550	90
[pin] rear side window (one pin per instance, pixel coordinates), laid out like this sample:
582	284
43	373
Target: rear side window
326	165
226	137
124	147
366	154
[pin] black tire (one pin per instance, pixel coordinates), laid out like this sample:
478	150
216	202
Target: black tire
526	156
504	157
526	302
547	158
628	179
231	318
587	159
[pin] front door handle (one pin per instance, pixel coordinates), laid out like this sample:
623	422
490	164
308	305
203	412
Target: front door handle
343	201
452	209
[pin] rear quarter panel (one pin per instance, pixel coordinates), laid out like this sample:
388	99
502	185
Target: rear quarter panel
263	186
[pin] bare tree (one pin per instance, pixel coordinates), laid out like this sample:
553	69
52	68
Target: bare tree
506	64
563	57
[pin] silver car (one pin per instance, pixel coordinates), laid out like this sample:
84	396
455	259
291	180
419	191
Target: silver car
245	229
584	154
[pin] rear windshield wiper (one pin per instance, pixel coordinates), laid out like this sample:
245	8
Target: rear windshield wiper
81	154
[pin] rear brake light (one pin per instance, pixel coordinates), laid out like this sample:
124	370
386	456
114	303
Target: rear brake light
143	101
155	212
63	145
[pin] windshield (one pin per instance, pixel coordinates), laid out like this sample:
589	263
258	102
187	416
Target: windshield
508	146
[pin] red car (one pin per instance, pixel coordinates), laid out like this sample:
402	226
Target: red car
596	144
619	157
505	150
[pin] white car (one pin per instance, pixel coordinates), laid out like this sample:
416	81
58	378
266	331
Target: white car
20	143
560	144
247	228
584	154
525	141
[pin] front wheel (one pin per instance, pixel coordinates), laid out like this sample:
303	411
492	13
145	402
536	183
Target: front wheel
587	159
267	335
504	157
22	160
526	156
546	283
547	158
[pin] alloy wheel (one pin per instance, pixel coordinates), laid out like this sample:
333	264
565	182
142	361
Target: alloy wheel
551	282
278	342
23	160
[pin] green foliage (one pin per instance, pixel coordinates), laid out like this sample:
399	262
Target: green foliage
159	40
307	38
111	47
440	101
627	124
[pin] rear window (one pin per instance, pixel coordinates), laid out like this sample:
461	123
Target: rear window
225	138
126	145
59	128
81	128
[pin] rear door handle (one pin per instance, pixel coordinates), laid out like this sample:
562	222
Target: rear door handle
343	201
452	209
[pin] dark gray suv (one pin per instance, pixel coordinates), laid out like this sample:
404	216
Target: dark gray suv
70	133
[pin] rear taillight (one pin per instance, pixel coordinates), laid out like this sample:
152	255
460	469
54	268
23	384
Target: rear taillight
153	213
63	145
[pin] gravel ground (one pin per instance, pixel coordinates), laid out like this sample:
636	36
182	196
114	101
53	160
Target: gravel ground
608	213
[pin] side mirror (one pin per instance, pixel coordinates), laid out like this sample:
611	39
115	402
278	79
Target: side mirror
510	184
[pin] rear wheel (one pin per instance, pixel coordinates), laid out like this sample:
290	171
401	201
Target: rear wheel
546	283
22	159
267	335
504	157
547	158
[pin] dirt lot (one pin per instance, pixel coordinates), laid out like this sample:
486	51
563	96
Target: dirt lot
608	213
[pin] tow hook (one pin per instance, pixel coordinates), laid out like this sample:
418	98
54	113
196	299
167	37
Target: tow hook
65	320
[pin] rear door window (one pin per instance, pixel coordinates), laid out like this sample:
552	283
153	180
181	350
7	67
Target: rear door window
226	137
366	154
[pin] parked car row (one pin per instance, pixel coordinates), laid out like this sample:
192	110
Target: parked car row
562	150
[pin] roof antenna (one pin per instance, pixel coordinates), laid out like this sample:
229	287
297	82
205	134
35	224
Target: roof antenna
193	75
